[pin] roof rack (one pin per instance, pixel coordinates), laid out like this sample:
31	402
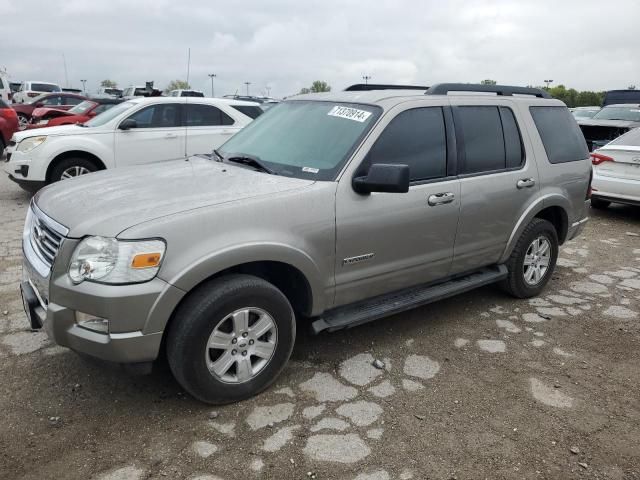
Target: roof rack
506	90
365	87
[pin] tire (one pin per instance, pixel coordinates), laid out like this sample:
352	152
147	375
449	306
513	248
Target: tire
599	204
23	120
79	165
207	311
517	283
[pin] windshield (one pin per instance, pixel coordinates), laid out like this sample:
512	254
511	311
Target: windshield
113	91
304	139
630	113
82	107
109	115
584	113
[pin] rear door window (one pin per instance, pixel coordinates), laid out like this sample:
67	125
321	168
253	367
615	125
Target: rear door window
484	148
416	138
562	138
206	116
513	150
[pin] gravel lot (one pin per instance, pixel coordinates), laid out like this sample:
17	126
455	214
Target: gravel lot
479	386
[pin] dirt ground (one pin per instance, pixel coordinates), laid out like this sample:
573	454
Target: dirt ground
478	386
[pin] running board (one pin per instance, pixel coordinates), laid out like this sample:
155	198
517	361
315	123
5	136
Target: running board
396	302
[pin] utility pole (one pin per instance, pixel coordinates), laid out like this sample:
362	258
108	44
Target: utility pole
548	82
84	84
212	76
247	84
366	79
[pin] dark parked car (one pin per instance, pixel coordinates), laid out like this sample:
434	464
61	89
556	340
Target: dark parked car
59	100
8	124
621	96
50	117
609	123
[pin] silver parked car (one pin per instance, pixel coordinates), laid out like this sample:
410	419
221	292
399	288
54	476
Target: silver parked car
329	211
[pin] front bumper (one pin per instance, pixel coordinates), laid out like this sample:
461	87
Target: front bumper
23	167
137	313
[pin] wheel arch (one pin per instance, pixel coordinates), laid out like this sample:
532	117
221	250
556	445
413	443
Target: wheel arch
70	154
552	208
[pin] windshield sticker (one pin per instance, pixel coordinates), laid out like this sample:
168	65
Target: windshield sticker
310	169
349	113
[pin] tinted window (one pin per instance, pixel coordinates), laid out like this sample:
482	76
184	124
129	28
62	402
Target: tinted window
483	139
158	116
140	92
54	100
71	101
249	110
512	140
44	87
416	138
191	93
206	115
560	134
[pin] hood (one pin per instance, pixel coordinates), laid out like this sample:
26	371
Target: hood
39	112
591	122
108	202
52	131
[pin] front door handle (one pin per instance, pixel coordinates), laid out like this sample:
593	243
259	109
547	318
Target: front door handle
526	183
441	198
170	136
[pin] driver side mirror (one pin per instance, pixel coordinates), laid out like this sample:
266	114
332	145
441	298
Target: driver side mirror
128	124
383	177
39	105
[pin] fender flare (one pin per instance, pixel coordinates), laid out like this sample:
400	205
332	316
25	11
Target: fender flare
546	201
206	267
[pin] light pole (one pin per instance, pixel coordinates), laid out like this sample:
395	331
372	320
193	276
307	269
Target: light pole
84	84
366	79
212	76
268	89
247	84
548	82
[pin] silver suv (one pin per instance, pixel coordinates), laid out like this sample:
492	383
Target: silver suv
329	211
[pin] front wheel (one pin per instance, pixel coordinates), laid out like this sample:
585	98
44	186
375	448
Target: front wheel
23	121
72	167
533	259
231	338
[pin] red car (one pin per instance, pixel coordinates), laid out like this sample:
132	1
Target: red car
59	100
49	117
8	124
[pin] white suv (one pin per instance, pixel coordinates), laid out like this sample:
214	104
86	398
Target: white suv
141	130
29	90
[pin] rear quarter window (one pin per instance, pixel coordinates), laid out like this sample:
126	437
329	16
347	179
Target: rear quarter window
250	111
562	138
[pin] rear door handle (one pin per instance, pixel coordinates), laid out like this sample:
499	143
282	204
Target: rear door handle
526	183
441	198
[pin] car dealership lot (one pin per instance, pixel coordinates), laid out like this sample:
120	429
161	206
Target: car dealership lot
479	386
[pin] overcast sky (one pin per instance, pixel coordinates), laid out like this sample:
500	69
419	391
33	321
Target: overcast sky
286	44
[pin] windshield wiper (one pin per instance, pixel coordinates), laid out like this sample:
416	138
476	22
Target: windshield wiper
251	160
216	153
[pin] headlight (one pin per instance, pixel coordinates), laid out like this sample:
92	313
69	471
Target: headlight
107	260
30	143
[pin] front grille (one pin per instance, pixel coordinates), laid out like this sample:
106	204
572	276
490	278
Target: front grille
45	238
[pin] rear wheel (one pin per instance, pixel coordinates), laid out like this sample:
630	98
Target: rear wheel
533	259
231	338
599	204
72	167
